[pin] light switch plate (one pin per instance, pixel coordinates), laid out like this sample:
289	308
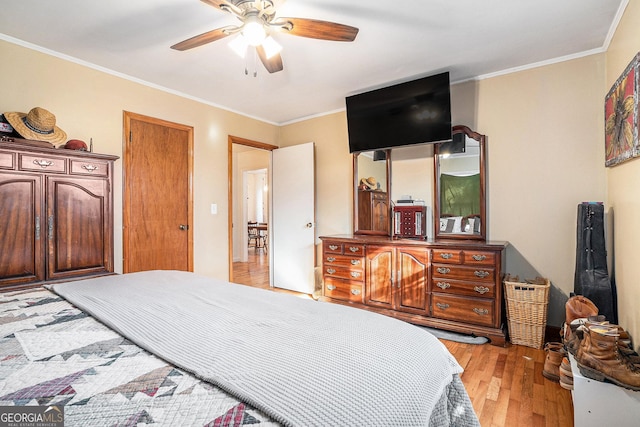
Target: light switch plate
214	209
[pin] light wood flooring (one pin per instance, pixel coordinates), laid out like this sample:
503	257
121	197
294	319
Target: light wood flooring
505	384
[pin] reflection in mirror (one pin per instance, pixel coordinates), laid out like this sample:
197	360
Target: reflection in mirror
460	186
371	191
412	179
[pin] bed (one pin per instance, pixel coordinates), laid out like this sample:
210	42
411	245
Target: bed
169	348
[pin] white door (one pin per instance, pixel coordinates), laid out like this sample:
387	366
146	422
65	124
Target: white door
293	218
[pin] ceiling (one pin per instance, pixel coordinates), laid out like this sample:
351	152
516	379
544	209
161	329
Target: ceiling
398	41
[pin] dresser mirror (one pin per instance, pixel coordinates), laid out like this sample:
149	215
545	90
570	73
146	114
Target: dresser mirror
371	207
460	186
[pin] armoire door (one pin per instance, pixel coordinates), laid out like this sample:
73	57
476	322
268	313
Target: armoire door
21	226
77	227
158	211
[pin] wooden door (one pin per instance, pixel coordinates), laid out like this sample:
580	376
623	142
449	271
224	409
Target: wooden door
21	228
379	272
412	280
158	195
293	218
77	227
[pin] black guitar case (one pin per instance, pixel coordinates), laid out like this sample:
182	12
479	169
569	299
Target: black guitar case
591	275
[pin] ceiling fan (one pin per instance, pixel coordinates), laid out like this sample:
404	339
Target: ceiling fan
258	20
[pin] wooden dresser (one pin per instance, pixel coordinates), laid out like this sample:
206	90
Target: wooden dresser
452	285
56	214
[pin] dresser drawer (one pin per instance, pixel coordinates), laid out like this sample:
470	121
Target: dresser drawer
464	309
7	160
344	272
447	256
343	290
479	258
486	290
89	167
332	247
477	274
343	261
30	162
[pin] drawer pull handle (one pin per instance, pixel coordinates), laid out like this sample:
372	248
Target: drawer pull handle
355	262
446	256
355	291
331	287
478	257
481	274
443	285
444	270
333	247
43	163
481	311
481	289
354	249
331	259
355	274
37	228
331	270
442	306
89	168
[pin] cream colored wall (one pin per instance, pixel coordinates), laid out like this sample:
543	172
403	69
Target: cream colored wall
622	185
545	156
90	104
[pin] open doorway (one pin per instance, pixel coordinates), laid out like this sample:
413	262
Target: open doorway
249	258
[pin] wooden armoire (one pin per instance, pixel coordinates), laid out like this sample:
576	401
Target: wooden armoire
56	214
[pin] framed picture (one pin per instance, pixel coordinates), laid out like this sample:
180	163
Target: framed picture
621	117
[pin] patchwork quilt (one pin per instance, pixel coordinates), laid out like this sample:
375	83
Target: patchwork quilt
51	353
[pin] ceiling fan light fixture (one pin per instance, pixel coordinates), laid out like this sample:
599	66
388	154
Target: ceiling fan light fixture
253	30
239	45
271	47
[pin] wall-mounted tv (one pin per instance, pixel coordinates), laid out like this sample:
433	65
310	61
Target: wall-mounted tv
414	112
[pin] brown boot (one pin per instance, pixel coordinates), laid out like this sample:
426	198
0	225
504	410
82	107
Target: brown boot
566	376
555	352
578	307
600	358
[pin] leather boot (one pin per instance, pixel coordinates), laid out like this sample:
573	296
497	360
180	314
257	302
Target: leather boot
578	310
600	358
572	333
555	352
566	375
578	307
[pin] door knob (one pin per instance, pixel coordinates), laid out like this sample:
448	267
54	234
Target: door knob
184	227
309	225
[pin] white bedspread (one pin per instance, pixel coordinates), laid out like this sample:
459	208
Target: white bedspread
302	362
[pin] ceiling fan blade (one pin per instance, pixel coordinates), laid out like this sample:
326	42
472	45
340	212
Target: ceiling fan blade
273	64
204	38
316	29
223	5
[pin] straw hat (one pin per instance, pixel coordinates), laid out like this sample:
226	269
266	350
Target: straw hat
38	124
370	182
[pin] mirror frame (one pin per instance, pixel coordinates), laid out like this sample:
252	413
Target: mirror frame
483	188
356	229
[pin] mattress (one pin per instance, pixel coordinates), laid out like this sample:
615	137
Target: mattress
54	353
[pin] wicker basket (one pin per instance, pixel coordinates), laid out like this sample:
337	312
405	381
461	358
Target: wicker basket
527	311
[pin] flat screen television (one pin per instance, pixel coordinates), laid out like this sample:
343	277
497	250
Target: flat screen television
413	112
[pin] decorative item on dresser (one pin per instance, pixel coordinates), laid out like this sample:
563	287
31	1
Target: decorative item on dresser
56	214
374	210
410	221
452	285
